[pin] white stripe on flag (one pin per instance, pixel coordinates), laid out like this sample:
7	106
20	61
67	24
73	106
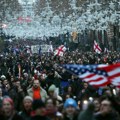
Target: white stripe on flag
84	75
104	80
113	72
95	77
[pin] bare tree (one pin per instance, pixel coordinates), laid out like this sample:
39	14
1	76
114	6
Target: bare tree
11	6
57	6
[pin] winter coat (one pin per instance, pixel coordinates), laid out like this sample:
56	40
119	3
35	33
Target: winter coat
39	118
17	98
84	95
14	117
110	116
43	93
25	115
53	114
68	118
87	114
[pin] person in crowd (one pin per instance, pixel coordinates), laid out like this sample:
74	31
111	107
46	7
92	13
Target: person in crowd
1	110
85	93
66	96
107	91
1	94
113	96
16	93
70	110
53	93
9	112
88	113
37	92
5	82
27	108
69	91
52	109
97	105
107	111
39	110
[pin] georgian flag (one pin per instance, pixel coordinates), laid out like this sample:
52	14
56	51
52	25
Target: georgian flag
97	48
60	50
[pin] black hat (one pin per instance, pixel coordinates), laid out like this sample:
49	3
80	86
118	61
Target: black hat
38	104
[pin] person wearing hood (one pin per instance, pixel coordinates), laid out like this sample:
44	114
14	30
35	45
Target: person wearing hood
70	107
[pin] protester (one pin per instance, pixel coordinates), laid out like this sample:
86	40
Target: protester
69	91
1	94
53	93
40	111
85	93
107	111
9	110
37	92
52	110
27	108
1	110
70	110
97	105
87	114
16	93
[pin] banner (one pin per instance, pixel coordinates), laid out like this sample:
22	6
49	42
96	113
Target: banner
44	48
35	48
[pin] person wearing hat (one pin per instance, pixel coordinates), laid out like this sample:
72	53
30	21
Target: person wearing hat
70	107
52	91
27	107
3	77
39	110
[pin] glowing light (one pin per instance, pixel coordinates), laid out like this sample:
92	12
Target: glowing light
4	26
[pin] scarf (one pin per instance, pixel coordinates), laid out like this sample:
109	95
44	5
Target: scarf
51	114
36	94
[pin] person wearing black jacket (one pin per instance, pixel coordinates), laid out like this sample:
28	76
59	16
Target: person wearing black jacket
107	112
9	112
27	108
39	110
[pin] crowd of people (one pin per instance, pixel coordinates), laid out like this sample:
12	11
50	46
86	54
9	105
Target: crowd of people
36	87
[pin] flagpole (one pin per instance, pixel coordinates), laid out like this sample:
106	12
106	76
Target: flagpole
19	69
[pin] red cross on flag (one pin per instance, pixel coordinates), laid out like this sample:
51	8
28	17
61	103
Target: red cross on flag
60	50
97	48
